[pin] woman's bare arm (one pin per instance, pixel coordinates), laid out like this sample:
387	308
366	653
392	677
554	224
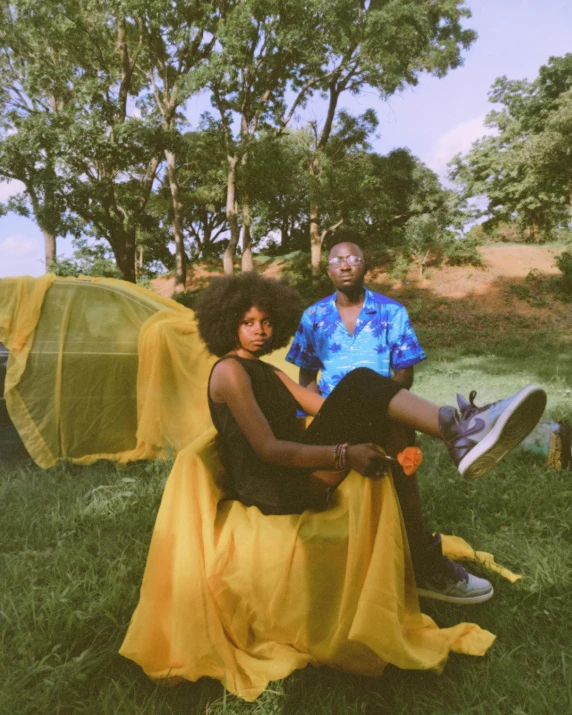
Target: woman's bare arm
308	400
230	383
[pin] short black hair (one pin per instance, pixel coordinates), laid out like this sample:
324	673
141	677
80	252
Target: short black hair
221	306
345	234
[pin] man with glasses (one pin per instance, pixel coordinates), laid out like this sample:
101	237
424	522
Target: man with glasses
356	327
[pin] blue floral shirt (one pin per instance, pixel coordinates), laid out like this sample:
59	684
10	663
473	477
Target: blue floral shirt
383	340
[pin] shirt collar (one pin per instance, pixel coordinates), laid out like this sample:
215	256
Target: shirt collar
367	307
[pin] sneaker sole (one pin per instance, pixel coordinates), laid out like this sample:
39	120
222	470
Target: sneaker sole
515	423
436	596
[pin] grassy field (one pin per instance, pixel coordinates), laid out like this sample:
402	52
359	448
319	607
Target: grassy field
74	542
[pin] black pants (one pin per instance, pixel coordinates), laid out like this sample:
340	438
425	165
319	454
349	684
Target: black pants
354	412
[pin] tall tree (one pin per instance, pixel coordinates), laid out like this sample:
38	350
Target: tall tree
28	156
385	45
277	184
179	37
265	47
201	174
379	195
34	86
524	170
74	73
109	156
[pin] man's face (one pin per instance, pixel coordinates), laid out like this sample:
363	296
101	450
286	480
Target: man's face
344	270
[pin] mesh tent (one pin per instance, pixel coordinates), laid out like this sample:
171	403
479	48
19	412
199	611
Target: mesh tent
100	368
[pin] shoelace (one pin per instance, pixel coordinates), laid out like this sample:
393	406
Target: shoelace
473	409
455	569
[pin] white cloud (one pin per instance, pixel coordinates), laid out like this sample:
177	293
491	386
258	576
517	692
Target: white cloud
20	247
10	188
456	140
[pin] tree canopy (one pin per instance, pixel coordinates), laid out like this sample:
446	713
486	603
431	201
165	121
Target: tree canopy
98	121
524	170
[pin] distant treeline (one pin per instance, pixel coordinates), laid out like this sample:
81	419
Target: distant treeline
98	120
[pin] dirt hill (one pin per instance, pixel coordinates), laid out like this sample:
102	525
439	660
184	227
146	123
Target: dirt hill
505	266
502	263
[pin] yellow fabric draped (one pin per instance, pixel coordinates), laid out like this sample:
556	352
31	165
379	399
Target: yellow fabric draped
245	598
456	548
104	369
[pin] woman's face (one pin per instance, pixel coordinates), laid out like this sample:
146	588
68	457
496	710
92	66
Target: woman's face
254	330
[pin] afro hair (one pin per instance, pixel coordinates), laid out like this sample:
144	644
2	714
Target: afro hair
222	304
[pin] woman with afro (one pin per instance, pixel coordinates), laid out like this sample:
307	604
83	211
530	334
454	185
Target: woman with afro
282	469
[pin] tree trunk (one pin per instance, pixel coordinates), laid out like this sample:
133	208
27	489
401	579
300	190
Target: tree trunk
232	218
285	234
50	249
570	193
180	255
139	264
315	238
534	232
315	241
205	246
247	263
124	252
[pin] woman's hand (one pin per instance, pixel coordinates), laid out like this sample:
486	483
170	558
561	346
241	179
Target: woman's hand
367	459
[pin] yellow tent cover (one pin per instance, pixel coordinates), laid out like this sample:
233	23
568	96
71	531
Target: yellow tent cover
100	368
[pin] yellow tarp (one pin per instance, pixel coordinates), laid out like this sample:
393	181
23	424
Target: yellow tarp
101	368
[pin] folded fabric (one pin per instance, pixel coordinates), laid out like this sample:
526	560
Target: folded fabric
456	548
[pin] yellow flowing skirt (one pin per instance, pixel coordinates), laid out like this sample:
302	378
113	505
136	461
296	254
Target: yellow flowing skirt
246	598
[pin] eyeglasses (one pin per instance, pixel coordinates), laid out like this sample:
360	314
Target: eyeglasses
337	261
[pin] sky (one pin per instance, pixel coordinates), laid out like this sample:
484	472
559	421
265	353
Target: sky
436	120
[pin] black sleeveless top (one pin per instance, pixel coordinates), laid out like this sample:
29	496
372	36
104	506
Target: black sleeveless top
254	481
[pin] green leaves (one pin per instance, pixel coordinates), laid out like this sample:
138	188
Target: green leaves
96	99
525	169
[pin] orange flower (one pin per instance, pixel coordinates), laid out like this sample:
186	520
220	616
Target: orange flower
410	458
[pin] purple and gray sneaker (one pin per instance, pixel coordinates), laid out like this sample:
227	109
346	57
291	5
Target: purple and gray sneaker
479	437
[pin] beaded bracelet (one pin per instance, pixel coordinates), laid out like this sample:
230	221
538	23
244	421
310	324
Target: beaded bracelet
337	450
343	455
340	459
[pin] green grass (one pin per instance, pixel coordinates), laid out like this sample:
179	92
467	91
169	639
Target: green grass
74	542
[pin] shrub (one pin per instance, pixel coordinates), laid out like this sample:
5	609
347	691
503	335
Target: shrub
98	267
188	298
463	252
519	291
401	267
298	273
